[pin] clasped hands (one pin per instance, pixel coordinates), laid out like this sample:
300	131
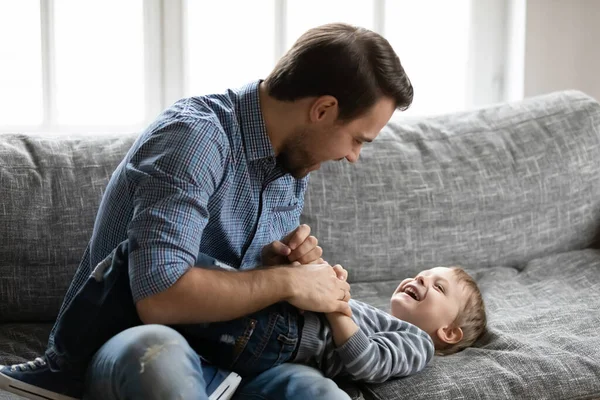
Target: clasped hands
318	286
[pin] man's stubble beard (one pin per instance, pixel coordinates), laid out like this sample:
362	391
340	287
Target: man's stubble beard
295	158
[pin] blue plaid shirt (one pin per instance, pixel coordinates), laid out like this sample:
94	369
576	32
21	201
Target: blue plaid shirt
201	180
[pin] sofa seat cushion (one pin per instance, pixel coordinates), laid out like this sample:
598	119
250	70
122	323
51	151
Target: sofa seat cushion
22	342
543	340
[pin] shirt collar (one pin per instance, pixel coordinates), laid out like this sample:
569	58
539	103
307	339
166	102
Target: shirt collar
254	132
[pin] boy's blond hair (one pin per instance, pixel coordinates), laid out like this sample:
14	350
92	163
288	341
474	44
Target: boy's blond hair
471	318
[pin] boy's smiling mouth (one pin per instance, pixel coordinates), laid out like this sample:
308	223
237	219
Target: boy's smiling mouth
412	291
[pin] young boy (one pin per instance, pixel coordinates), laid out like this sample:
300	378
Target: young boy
439	310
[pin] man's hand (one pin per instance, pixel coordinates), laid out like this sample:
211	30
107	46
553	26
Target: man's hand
298	246
316	287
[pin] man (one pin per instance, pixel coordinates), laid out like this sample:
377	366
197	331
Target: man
224	176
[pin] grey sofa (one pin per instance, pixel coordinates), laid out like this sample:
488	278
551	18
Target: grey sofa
511	192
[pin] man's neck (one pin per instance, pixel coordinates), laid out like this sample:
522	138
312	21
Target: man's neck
281	118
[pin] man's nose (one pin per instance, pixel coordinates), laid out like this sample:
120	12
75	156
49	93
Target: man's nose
353	156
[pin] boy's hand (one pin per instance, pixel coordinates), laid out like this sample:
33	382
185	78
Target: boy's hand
341	273
298	246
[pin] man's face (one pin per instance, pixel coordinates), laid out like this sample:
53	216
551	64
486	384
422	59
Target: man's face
327	139
430	301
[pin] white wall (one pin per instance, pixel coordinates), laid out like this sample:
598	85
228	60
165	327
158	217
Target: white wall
562	46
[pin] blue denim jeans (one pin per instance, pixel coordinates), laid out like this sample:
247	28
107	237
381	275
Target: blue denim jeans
248	345
155	362
100	338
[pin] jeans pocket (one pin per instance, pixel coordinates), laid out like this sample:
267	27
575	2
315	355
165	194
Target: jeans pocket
287	348
273	343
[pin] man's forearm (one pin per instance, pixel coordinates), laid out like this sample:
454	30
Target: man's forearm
204	295
342	327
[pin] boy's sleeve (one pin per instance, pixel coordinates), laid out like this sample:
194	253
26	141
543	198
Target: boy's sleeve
171	177
388	354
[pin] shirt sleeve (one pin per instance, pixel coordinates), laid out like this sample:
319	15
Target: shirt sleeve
384	355
171	177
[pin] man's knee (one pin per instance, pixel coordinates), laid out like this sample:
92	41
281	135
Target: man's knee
150	362
144	344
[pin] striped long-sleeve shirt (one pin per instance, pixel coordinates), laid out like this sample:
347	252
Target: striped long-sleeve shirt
384	347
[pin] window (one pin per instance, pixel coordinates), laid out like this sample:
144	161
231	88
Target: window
99	62
21	63
305	14
86	65
432	39
228	43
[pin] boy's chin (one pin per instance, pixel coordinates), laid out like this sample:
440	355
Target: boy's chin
398	307
402	299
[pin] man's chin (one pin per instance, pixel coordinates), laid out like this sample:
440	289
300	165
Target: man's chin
300	173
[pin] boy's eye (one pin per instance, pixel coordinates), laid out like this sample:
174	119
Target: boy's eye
440	287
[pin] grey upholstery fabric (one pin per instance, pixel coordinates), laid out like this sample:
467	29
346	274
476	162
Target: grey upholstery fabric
497	186
20	342
512	192
543	341
50	188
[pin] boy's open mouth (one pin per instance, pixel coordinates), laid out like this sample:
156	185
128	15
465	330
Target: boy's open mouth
412	292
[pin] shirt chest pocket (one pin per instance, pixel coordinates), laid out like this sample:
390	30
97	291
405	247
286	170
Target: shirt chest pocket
283	220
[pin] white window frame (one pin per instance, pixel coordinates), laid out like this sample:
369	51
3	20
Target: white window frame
165	63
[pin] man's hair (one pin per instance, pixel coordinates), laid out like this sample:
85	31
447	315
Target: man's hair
471	318
355	65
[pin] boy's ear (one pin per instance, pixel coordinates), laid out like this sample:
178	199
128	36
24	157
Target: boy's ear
450	334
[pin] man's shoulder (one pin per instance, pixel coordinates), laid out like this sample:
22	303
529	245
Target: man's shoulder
191	122
218	110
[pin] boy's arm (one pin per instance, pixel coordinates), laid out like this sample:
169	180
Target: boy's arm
382	355
342	328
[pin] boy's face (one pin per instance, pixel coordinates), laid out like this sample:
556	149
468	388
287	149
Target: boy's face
431	301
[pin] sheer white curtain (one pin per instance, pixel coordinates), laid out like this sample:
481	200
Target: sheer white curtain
114	64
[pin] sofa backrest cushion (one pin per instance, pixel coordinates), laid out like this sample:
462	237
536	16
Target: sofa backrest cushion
495	186
50	189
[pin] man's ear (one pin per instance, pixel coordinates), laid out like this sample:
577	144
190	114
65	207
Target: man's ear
450	334
324	108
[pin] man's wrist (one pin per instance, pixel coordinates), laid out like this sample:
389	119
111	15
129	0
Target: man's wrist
280	279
